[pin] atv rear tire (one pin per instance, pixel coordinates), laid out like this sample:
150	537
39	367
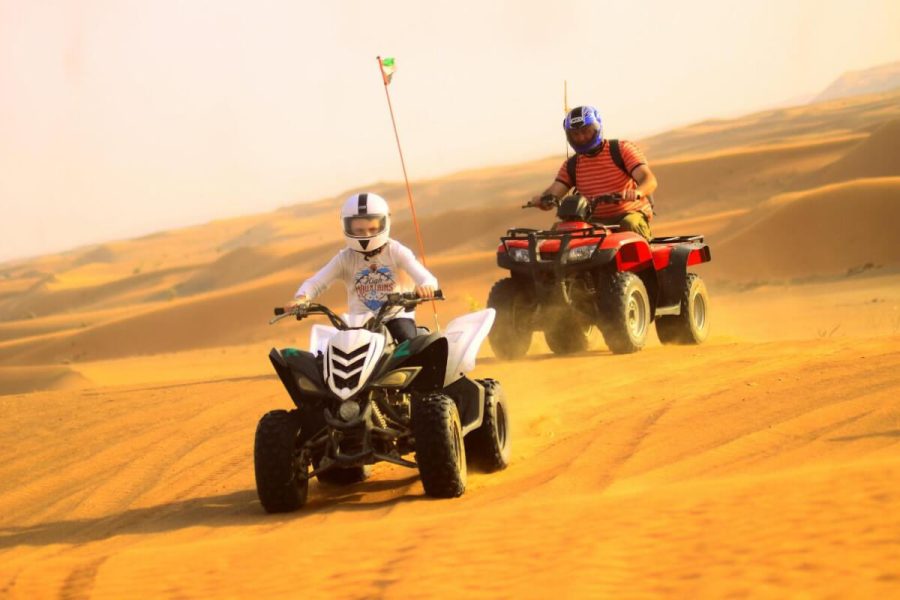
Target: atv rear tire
625	313
692	325
510	336
488	448
440	451
281	475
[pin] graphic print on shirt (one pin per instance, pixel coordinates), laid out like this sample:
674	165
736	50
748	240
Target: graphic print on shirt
372	284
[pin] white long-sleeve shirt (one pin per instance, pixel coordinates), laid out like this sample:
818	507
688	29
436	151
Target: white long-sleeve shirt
369	281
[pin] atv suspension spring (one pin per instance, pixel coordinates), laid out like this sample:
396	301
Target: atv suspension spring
378	417
382	401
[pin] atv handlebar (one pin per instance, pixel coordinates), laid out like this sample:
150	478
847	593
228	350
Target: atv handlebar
594	200
545	199
302	311
410	299
406	300
611	198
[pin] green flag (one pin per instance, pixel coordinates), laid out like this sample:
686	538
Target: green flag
387	69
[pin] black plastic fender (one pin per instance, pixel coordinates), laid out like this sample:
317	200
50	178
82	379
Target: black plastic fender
290	363
673	278
469	398
426	351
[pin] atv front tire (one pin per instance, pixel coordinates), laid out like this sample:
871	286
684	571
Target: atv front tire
692	325
510	336
625	313
281	473
440	451
566	338
488	447
345	475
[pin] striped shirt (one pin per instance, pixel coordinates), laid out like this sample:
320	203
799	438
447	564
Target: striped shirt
597	174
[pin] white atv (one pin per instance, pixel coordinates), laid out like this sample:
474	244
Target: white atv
363	399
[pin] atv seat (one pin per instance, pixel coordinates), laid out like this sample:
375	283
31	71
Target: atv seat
676	239
420	331
612	228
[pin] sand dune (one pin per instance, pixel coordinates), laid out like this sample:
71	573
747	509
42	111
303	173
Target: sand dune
828	231
875	156
19	380
762	463
740	179
46	299
808	123
468	230
12	330
772	473
102	253
237	266
871	80
221	319
704	169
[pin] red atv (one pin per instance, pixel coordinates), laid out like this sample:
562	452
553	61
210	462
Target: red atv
580	274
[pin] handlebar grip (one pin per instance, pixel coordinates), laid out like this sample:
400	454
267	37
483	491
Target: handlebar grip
279	311
543	201
401	297
607	198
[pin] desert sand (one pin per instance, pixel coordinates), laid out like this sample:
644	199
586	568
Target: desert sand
762	463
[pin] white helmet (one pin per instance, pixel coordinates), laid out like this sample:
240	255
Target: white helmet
366	219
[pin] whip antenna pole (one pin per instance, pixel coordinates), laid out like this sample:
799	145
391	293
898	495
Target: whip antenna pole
566	108
386	68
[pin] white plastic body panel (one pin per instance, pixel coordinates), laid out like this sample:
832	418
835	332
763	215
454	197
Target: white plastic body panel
351	343
319	336
465	335
357	319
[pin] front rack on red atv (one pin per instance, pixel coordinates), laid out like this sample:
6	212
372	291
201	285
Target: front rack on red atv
564	235
592	230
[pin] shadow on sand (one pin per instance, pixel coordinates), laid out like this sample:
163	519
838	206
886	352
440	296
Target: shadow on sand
850	438
225	510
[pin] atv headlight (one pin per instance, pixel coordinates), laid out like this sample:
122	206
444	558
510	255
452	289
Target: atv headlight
399	378
519	254
306	384
348	410
580	253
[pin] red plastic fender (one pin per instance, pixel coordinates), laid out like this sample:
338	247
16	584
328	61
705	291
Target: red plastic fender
661	256
698	255
632	251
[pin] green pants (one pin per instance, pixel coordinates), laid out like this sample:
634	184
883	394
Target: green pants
633	221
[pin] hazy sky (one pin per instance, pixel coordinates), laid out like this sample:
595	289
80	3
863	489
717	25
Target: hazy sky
122	117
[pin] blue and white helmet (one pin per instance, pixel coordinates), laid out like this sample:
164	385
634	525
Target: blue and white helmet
584	129
366	220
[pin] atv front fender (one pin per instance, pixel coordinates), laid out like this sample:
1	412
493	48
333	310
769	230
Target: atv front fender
426	351
469	398
291	365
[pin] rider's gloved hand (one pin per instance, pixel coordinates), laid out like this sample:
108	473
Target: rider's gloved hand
632	194
425	291
544	202
301	302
